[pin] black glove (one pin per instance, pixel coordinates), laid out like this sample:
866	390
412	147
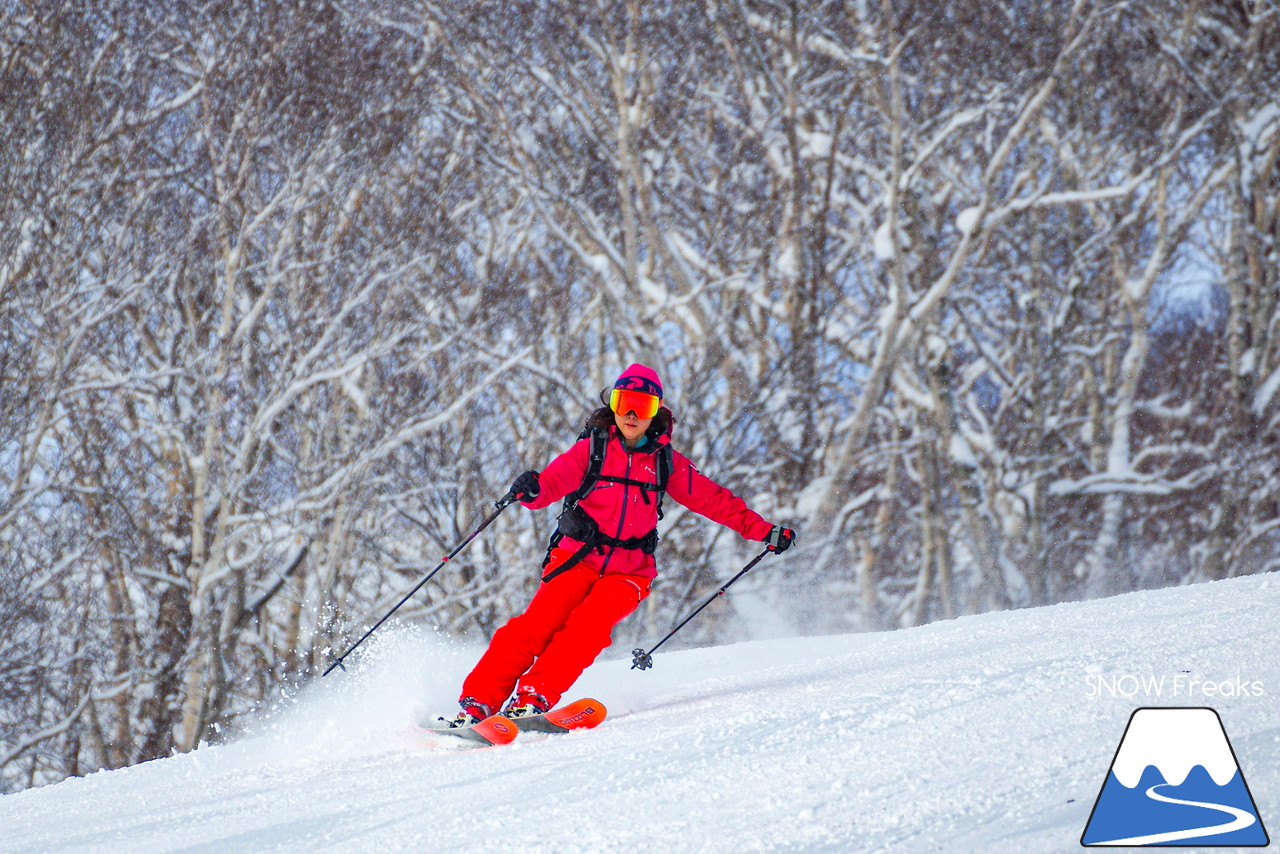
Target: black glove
780	539
526	487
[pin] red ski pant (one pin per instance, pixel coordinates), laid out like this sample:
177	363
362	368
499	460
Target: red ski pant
544	650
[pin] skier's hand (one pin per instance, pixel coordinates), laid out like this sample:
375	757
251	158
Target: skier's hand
526	486
780	539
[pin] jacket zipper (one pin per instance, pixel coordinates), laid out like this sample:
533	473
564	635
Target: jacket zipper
622	515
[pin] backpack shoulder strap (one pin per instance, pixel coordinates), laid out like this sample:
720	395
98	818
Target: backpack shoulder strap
663	463
595	462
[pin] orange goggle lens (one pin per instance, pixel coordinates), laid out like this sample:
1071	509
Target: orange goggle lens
622	401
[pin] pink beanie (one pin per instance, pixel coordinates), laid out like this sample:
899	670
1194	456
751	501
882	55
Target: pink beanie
639	377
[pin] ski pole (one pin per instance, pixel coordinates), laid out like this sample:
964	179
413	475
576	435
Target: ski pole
644	660
502	504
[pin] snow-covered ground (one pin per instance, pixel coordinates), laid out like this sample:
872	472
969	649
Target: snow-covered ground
989	733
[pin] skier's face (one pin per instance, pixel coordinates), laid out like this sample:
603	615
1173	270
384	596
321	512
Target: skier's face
631	426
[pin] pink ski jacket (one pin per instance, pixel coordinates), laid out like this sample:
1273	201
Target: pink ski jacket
624	511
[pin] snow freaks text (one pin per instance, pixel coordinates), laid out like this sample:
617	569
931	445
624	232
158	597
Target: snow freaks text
1174	686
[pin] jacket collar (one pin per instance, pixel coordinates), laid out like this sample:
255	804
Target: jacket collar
650	445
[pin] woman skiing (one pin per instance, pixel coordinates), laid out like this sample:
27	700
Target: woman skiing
600	562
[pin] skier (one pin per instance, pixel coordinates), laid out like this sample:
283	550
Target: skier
599	564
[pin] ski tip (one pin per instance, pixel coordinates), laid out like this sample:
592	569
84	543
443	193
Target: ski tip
580	714
493	730
497	729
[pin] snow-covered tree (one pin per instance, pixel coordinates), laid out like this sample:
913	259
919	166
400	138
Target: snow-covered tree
981	299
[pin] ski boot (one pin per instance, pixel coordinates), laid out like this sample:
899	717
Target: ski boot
472	713
525	705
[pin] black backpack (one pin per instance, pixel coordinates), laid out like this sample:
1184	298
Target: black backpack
574	521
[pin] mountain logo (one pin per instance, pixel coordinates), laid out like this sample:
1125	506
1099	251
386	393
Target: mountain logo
1175	781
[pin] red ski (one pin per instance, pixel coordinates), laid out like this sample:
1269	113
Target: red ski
493	730
580	714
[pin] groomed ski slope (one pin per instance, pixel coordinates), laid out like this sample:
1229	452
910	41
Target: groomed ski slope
983	734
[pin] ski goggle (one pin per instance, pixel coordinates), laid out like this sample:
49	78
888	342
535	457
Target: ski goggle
623	400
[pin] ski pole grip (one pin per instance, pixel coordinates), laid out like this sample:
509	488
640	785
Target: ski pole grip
505	501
